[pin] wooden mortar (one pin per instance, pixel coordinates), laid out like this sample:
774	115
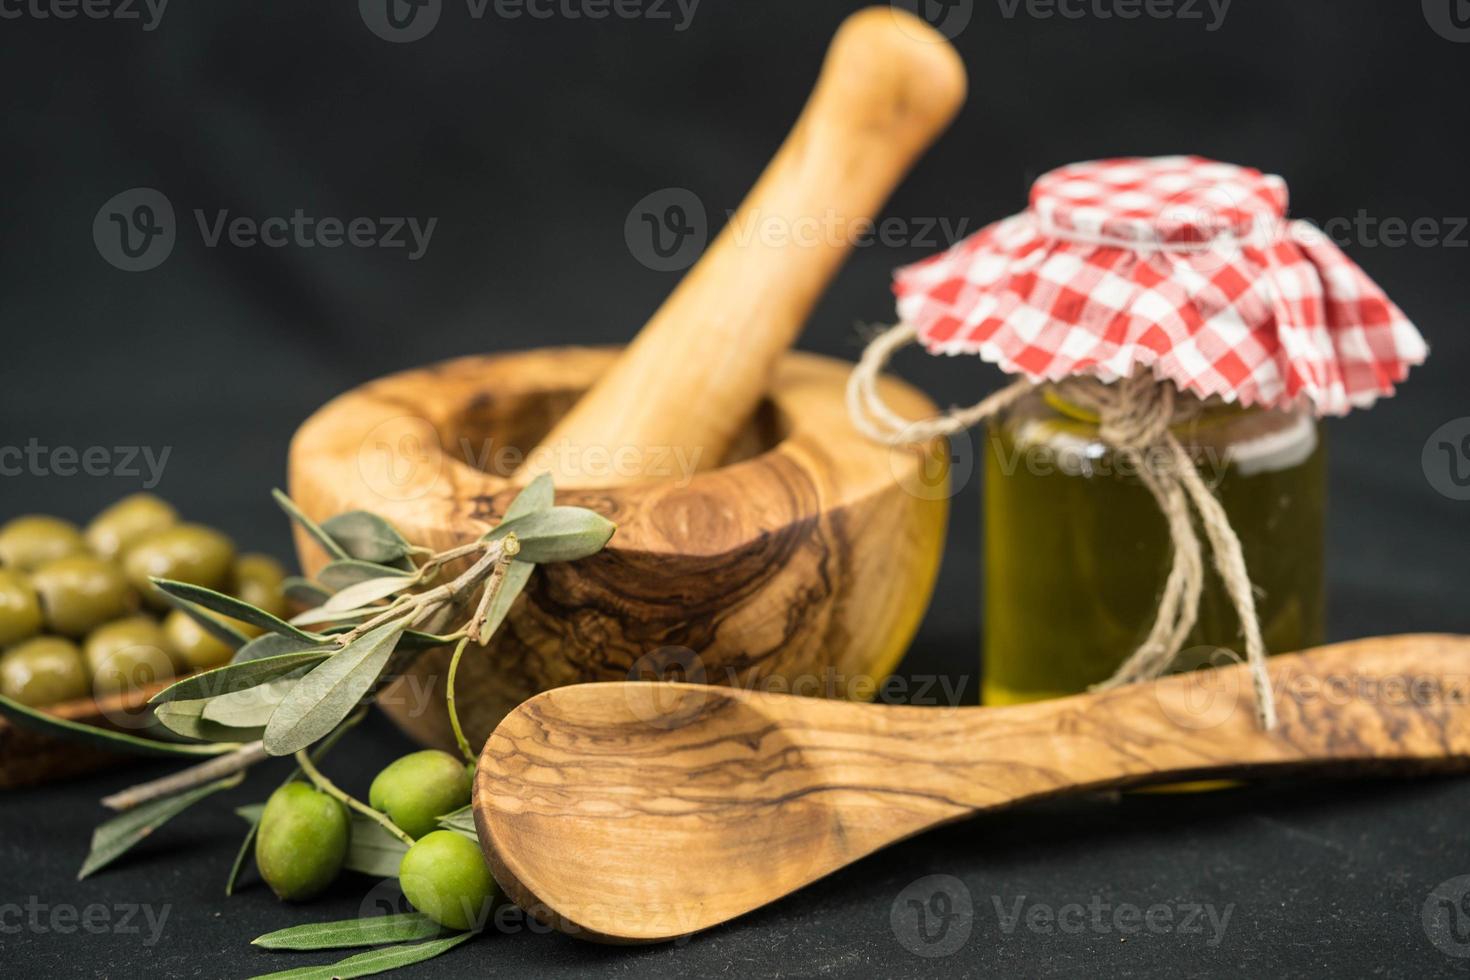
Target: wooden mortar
761	540
810	555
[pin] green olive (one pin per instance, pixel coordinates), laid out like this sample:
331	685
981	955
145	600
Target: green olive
302	842
20	608
186	553
28	542
127	655
80	593
193	647
258	581
444	876
127	522
43	671
416	790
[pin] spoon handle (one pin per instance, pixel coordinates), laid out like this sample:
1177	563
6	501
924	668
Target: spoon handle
1400	702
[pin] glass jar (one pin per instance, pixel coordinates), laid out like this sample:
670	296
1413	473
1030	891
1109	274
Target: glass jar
1077	551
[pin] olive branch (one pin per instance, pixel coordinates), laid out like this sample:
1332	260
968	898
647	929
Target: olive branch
300	685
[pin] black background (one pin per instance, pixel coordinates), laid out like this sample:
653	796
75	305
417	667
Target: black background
530	140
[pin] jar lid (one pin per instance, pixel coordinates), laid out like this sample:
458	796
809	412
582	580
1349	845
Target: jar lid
1180	265
1160	200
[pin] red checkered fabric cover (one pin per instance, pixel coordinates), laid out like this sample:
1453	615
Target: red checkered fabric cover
1180	265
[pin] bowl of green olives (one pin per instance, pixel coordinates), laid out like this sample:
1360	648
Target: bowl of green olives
84	634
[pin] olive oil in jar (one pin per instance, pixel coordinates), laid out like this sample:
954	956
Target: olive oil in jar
1077	551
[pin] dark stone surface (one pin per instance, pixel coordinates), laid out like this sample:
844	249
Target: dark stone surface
1293	879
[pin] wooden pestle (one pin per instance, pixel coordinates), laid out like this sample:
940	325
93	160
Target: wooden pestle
698	369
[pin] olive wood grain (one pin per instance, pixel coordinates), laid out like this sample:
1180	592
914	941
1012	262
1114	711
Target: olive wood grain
643	812
811	553
890	84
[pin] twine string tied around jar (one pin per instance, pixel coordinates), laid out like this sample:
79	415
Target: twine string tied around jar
1135	419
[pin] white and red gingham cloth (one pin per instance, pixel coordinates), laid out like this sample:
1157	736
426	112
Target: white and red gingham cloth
1180	265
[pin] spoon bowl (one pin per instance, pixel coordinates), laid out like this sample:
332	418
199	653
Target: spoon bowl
609	788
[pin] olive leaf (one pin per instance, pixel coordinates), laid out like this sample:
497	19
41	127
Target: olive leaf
558	534
213	625
370	930
373	961
251	708
269	645
374	851
328	694
369	591
117	836
516	577
239	676
181	718
186	718
367	537
536	498
337	575
538	495
329	545
105	738
414	641
320	615
231	607
303	591
461	821
251	812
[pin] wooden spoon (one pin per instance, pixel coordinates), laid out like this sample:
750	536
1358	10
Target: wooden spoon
640	812
698	369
